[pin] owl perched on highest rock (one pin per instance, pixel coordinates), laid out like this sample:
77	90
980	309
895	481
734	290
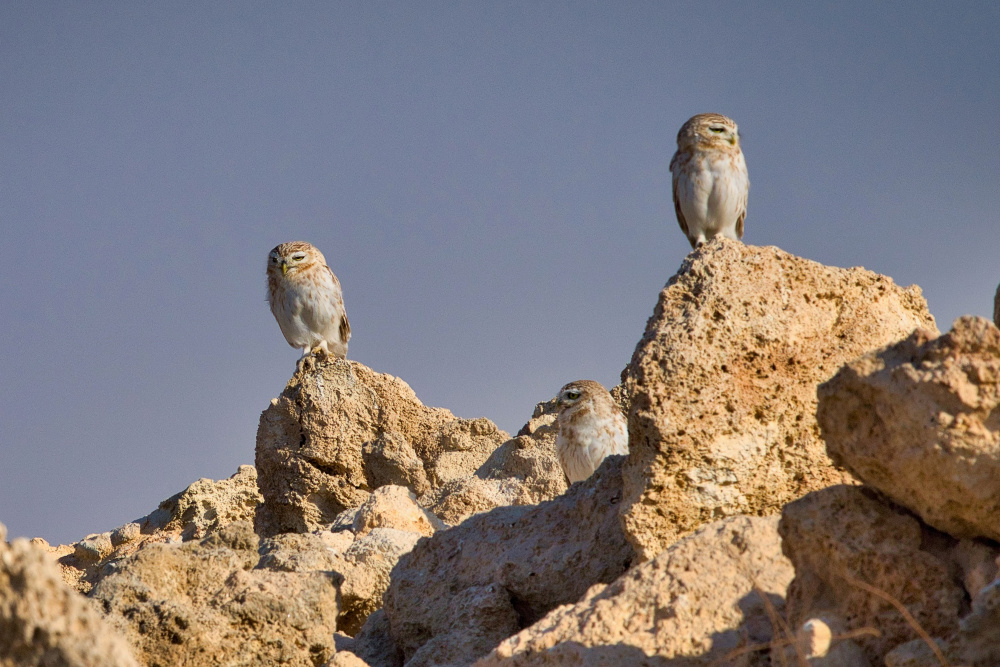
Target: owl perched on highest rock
710	179
306	300
591	427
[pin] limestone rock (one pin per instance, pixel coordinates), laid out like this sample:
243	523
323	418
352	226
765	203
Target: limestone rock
374	643
694	604
843	535
920	422
394	507
359	565
522	471
723	383
44	622
196	512
389	459
311	443
203	603
459	593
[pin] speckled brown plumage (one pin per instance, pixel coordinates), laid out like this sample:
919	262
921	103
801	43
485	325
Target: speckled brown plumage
306	300
591	427
710	180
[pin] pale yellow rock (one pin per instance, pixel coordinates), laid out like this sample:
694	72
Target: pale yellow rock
460	592
204	602
394	507
694	604
723	383
196	512
920	422
845	534
311	444
45	623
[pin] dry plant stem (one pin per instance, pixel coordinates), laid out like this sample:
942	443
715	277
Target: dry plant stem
902	610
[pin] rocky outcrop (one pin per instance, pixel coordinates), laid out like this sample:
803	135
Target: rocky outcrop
202	602
723	383
522	471
196	512
338	421
44	622
458	594
920	422
697	603
845	540
361	551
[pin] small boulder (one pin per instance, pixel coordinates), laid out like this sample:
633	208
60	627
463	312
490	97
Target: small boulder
697	603
723	383
459	593
920	422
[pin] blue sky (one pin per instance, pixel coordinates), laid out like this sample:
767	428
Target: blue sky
488	180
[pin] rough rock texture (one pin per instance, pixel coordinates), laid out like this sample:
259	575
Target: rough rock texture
311	444
361	557
44	622
694	604
920	422
194	513
723	383
374	644
459	593
523	471
846	534
394	507
202	603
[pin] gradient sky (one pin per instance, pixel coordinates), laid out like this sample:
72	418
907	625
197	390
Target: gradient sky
489	180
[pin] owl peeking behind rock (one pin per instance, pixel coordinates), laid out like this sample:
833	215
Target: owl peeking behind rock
306	300
591	427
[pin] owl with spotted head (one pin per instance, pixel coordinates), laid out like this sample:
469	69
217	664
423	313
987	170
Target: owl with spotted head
306	300
710	179
591	427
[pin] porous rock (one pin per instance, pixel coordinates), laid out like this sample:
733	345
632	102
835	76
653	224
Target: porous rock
311	443
920	422
697	603
360	566
374	643
196	512
845	539
459	593
394	507
723	383
201	602
44	622
523	471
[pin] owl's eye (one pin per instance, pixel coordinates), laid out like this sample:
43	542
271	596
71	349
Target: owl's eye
717	130
274	259
299	257
572	395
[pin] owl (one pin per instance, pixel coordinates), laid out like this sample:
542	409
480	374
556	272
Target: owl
710	179
306	300
996	308
590	427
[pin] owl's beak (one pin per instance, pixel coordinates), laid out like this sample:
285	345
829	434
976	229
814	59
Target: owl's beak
284	268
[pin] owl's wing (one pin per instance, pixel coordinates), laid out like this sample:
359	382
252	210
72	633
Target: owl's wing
743	213
345	328
675	169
